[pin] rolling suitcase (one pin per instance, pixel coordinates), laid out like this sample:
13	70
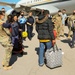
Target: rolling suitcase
53	57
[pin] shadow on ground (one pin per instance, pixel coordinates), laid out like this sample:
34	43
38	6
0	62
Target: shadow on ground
33	34
68	41
66	34
25	46
14	57
37	50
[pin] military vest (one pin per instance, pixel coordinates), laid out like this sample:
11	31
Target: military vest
2	32
57	19
72	20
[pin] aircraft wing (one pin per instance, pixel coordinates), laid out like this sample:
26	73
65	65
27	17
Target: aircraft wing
7	4
14	7
67	4
53	7
17	7
45	4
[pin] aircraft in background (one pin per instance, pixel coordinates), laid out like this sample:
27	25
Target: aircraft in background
52	5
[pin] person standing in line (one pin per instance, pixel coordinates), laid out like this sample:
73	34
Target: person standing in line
6	43
22	22
57	20
15	35
72	24
64	17
69	26
44	28
30	22
4	13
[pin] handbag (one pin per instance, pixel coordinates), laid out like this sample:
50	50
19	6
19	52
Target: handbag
53	57
24	34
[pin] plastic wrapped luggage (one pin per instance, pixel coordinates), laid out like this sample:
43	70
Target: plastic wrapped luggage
53	57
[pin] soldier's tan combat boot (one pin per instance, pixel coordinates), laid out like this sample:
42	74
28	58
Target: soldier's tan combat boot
2	63
69	37
58	38
63	36
7	68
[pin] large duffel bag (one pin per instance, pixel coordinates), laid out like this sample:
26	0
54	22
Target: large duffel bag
17	48
53	57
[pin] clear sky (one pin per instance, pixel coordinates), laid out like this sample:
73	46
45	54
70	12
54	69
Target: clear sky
9	1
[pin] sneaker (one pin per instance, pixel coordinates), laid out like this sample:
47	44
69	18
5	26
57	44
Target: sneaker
72	46
3	64
30	39
7	68
69	37
41	65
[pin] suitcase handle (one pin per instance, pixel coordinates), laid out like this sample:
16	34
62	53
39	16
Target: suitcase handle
55	47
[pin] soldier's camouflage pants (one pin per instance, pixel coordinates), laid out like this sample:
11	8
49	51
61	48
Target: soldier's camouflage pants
70	31
58	30
62	29
6	43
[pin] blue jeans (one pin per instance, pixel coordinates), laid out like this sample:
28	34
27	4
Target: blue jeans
48	45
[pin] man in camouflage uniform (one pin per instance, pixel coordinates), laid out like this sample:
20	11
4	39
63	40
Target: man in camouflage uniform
72	26
69	27
4	13
57	19
70	22
6	43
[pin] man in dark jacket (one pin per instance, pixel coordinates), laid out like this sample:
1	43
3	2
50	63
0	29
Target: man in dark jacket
44	27
30	22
